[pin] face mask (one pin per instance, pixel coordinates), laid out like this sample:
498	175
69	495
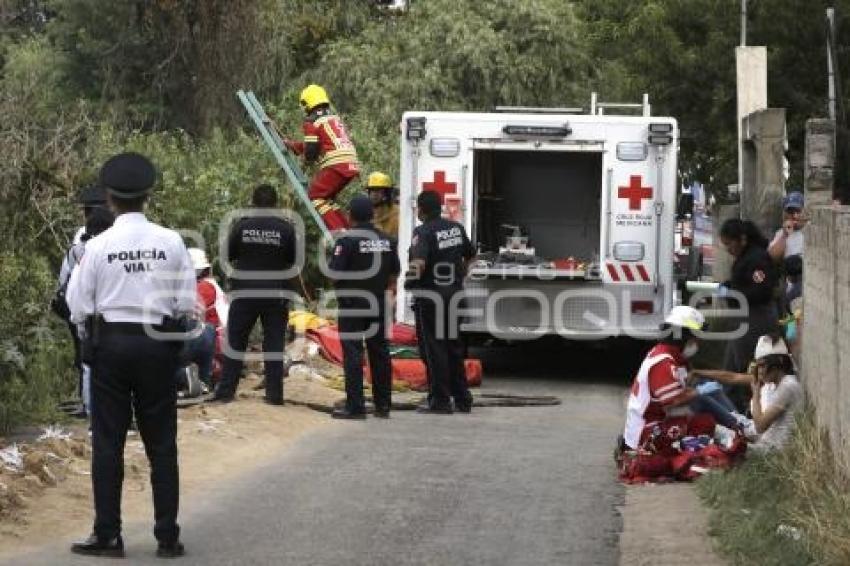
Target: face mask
690	350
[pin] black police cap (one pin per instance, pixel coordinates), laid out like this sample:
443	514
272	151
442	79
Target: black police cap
93	195
128	175
360	208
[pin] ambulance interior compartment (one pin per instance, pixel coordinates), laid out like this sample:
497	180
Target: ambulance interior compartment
554	196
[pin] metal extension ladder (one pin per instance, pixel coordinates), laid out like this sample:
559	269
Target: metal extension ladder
285	158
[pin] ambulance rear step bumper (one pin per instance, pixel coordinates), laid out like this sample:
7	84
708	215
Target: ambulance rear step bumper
575	309
533	272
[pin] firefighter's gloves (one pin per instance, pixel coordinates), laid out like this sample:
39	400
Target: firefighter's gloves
708	387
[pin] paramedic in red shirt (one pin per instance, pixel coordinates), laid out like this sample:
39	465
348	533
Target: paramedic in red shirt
212	302
326	141
661	406
212	298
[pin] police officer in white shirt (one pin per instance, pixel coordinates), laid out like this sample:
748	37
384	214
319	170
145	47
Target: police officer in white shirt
134	281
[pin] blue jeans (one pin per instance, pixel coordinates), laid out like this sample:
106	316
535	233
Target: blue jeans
718	405
201	350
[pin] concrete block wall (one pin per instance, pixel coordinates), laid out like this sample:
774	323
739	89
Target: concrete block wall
826	322
762	180
819	171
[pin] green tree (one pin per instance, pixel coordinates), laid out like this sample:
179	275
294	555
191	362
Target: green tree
682	53
171	63
451	55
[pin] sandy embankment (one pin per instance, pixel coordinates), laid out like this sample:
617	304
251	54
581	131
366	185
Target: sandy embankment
216	442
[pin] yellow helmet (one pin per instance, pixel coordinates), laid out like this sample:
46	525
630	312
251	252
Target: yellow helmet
312	96
379	180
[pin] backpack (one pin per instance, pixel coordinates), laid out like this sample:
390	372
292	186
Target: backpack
59	303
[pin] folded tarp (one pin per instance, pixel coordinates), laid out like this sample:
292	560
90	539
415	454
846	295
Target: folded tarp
413	373
406	368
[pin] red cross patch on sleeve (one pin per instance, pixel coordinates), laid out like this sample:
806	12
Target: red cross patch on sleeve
758	276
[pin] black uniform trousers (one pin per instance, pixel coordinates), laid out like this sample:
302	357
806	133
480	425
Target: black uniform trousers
443	354
78	361
354	330
273	314
130	368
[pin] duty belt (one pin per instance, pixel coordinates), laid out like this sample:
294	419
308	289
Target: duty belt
131	328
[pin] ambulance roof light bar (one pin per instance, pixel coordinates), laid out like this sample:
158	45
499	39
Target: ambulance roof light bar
598	108
526	130
537	110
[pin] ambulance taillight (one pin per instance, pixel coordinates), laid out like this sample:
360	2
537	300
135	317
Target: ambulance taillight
643	307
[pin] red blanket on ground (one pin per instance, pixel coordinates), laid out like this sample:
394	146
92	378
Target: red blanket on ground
662	460
410	371
415	375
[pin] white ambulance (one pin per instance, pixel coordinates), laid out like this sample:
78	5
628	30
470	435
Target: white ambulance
572	215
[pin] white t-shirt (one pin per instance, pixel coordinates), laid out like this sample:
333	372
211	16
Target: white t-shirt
78	235
793	243
787	394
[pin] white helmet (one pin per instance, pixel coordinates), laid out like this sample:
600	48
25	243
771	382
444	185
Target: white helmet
685	317
199	259
767	347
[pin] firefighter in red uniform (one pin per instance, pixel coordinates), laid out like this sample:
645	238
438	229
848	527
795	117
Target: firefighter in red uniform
326	142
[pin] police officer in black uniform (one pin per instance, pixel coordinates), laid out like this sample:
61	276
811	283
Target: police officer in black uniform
134	282
365	262
439	251
262	242
754	276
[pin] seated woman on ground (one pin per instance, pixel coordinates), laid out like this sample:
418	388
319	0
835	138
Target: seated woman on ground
777	394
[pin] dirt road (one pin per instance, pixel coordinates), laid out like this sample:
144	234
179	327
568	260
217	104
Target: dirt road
512	486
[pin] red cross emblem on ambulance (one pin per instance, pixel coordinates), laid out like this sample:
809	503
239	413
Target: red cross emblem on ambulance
440	186
635	192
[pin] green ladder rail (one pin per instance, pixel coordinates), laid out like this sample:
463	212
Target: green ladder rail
284	157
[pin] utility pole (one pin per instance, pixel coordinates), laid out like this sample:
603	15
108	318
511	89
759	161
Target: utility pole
743	23
830	59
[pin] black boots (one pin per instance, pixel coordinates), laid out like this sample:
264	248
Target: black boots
114	548
94	546
170	550
346	413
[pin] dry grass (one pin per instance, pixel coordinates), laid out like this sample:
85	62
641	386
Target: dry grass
821	492
788	508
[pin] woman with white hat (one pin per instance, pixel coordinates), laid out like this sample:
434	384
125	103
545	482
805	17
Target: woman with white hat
777	393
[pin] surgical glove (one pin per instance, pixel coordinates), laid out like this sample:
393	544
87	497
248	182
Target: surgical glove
722	291
708	387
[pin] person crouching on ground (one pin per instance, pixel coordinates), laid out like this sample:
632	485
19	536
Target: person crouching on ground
777	394
661	407
213	307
